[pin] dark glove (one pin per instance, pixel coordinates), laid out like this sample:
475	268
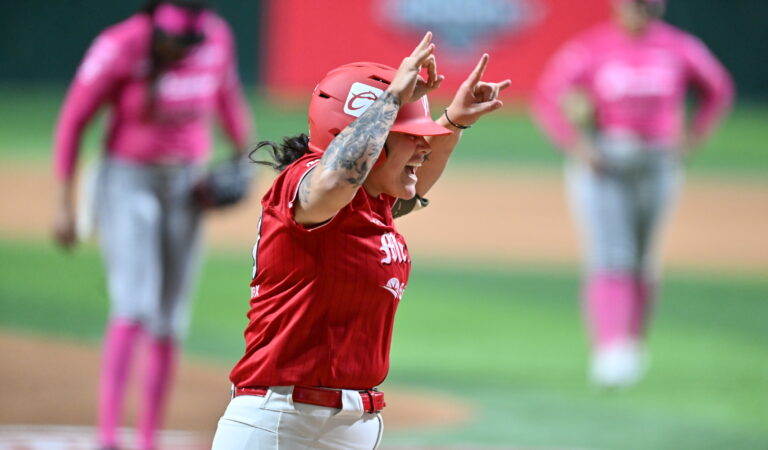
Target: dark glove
225	184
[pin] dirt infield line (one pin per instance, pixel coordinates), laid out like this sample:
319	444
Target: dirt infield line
46	381
48	437
504	216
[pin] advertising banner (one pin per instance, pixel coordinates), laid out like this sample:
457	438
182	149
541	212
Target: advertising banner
306	38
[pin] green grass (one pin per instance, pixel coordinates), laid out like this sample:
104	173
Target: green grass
505	339
28	114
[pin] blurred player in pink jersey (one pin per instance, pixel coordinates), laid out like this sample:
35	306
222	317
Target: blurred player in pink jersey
164	73
624	163
330	267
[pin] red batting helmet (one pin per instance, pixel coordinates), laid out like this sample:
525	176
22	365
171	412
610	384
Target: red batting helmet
347	91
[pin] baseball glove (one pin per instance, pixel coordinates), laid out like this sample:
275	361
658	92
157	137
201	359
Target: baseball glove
225	184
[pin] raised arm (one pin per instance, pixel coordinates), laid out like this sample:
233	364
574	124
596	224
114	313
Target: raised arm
345	164
474	99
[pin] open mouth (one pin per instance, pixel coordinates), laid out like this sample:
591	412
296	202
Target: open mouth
410	169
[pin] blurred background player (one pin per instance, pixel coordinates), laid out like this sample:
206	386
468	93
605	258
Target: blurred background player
165	72
624	162
330	267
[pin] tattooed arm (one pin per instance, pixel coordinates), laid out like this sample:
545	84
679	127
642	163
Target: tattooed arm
345	164
334	181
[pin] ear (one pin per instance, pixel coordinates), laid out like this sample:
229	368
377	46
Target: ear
382	157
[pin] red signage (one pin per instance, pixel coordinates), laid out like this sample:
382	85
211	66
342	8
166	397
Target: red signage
306	39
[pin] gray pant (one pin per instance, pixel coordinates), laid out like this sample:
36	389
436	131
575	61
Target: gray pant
621	209
150	237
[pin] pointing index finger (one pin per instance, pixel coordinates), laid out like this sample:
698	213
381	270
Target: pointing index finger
423	45
477	73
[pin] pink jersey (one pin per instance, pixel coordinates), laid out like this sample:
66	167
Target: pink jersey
637	84
176	129
323	300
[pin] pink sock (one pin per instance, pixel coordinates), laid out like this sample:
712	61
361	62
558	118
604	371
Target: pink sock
641	307
161	361
117	354
608	307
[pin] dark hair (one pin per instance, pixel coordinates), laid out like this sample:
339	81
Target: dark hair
283	154
195	5
156	64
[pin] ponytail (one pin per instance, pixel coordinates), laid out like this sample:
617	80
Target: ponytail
283	154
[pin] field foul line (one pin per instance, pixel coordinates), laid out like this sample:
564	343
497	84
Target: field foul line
60	437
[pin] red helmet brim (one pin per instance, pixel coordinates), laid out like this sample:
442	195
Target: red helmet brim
413	118
422	126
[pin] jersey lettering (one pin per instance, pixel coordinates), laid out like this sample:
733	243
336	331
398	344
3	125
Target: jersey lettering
616	81
184	87
394	250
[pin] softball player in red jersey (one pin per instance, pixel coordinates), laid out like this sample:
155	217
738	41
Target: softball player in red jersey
622	179
330	267
164	72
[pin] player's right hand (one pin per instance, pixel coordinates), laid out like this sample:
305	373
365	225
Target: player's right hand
586	152
64	231
407	85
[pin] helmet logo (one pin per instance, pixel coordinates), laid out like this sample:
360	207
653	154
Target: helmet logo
360	97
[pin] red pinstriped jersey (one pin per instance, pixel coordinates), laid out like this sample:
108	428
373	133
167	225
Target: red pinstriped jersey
323	299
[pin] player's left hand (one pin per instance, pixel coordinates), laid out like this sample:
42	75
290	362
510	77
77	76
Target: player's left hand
475	97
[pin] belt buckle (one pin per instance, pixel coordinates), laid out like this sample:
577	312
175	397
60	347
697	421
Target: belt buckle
377	401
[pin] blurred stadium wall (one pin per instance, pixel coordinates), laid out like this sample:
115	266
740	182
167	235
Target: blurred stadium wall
43	40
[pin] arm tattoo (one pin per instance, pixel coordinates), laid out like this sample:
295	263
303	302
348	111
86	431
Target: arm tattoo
304	187
356	149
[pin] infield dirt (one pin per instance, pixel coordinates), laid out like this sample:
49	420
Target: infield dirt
484	215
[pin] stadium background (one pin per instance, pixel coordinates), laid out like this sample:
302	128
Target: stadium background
488	346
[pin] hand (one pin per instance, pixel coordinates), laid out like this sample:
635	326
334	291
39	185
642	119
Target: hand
585	152
690	143
64	232
476	98
407	85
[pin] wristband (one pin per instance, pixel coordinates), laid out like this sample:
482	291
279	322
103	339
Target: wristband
460	127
